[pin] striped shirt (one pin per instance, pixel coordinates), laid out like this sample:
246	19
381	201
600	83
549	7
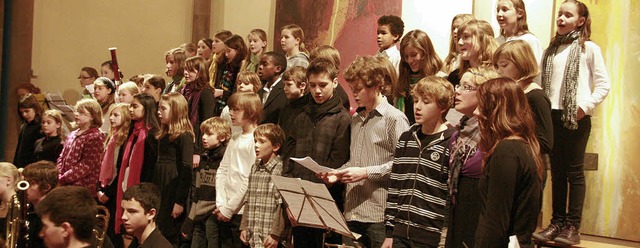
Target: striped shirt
418	186
373	141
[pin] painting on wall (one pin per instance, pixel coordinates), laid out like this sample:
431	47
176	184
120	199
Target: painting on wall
349	26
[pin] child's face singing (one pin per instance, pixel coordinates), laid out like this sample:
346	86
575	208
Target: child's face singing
136	110
364	96
50	126
28	114
267	69
287	40
101	92
426	110
321	87
164	112
244	86
125	96
466	46
190	75
568	18
203	50
107	72
413	57
115	118
237	117
507	15
466	98
83	118
256	44
218	46
171	66
211	140
134	218
292	90
264	149
385	39
507	68
231	54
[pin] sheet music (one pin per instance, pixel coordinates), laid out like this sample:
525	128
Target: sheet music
56	101
312	165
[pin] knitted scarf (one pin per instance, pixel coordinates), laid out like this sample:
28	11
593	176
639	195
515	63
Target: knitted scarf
107	169
132	158
192	94
570	78
464	146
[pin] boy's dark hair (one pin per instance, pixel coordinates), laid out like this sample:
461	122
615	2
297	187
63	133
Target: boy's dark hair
91	71
74	205
322	66
157	82
44	173
273	133
396	25
147	194
278	60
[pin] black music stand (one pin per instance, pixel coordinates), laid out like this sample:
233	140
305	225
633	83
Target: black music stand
311	205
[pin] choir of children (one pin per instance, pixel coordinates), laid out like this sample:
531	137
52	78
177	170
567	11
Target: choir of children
171	171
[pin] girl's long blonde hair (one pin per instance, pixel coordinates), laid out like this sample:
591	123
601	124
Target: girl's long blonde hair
430	63
178	118
483	40
120	133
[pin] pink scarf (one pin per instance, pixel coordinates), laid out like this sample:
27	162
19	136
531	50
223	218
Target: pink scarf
108	166
133	158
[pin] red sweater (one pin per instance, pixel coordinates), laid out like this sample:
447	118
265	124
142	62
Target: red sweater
79	162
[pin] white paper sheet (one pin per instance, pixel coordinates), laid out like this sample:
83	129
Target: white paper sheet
312	165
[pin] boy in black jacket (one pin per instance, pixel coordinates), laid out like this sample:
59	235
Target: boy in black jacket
215	135
322	131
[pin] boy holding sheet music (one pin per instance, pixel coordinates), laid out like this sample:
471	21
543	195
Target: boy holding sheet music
322	132
375	130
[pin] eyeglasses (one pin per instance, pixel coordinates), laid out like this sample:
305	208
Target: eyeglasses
464	88
83	77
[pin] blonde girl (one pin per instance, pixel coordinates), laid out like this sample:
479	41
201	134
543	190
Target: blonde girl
9	177
292	41
104	92
418	59
512	18
257	39
172	173
49	147
515	60
451	61
575	79
126	92
476	44
108	188
199	96
217	54
79	161
174	68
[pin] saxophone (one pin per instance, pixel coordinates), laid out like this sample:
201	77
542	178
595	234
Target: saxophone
16	234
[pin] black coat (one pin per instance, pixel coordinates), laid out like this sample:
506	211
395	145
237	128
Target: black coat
274	103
